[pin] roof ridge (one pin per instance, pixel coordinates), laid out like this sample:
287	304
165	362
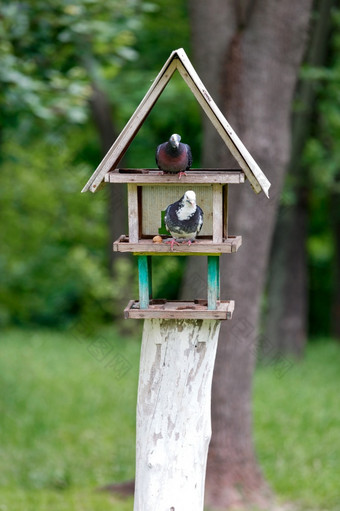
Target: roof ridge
179	60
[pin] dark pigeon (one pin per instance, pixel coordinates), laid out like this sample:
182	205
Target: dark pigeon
184	219
174	156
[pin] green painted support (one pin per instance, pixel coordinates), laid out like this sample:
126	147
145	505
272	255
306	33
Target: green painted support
149	262
213	281
144	274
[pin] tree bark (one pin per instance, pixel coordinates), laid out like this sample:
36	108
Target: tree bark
248	55
101	113
286	322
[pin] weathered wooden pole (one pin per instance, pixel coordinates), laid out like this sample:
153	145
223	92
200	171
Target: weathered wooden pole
173	413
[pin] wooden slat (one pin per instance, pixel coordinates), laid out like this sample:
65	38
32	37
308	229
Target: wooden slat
133	215
225	211
179	310
133	170
200	247
128	307
194	176
217	213
140	210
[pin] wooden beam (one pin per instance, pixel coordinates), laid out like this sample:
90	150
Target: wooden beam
144	281
163	309
225	212
133	213
213	281
173	413
140	210
217	213
194	176
200	247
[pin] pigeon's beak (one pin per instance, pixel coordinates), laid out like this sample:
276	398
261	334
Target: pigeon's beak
174	141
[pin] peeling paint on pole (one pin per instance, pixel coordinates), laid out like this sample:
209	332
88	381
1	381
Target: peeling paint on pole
173	413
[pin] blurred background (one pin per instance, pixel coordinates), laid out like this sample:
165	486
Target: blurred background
71	74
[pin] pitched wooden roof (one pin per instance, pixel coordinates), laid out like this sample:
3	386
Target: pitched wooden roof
180	61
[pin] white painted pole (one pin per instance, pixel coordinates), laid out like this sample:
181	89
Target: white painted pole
173	413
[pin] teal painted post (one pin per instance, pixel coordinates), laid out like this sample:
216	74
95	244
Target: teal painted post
213	281
149	262
144	270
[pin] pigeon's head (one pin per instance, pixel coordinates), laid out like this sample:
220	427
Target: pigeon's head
190	198
175	140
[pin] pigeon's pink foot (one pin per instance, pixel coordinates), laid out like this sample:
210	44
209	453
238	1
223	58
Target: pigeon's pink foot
172	242
181	174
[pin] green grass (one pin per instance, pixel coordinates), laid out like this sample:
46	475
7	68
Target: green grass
297	428
67	419
67	405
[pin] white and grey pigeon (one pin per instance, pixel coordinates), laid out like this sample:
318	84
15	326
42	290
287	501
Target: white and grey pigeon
173	156
183	219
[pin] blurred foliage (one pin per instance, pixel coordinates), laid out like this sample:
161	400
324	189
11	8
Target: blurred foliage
322	153
51	263
51	50
54	257
322	159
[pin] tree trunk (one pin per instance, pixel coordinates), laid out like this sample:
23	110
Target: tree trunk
287	311
101	113
248	55
286	323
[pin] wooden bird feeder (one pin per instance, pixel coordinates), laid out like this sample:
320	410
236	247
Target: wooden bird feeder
179	338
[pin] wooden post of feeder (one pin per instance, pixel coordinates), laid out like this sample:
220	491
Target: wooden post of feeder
173	413
173	409
145	281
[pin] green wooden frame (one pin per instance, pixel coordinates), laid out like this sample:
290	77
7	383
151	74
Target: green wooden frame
145	280
213	281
